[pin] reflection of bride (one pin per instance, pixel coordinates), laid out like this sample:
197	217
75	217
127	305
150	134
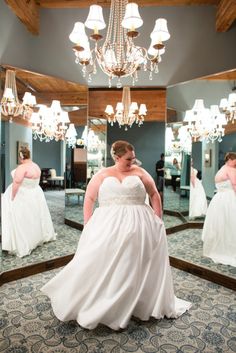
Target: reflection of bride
26	221
219	231
197	201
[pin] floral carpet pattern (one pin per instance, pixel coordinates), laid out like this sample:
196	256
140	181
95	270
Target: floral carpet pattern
28	325
187	245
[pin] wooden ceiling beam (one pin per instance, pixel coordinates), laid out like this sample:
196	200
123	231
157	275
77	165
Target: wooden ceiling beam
28	13
225	15
155	100
106	3
66	98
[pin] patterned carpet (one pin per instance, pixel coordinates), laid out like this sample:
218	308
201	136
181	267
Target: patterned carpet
28	324
187	245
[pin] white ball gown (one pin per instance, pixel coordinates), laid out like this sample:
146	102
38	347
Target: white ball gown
26	221
219	231
121	266
197	199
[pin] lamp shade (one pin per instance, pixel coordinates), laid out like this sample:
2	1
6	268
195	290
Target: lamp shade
189	116
153	51
109	109
224	103
232	99
78	34
8	94
95	18
198	105
160	31
132	17
71	131
134	106
56	106
143	109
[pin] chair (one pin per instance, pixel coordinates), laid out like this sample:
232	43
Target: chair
55	180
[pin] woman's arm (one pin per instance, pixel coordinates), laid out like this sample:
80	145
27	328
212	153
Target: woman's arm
232	177
17	180
91	196
193	177
152	192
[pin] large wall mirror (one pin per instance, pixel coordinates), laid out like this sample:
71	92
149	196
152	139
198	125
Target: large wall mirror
206	158
58	162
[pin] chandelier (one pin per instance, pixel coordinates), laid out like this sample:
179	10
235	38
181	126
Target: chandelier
177	139
126	112
205	124
52	123
118	56
10	104
228	107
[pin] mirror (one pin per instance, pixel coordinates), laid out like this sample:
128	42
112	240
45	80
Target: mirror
48	155
207	158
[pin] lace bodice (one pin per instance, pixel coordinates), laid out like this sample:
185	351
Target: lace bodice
130	191
224	186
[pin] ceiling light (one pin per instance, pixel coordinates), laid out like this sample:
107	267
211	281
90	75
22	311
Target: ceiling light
118	56
127	112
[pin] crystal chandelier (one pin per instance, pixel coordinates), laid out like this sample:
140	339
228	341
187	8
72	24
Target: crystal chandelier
228	107
205	124
10	104
126	112
52	123
178	139
118	56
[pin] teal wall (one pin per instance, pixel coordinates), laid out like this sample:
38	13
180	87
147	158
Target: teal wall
13	134
48	155
148	140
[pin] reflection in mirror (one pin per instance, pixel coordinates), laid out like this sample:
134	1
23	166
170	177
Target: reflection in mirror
177	168
76	177
207	157
86	159
50	156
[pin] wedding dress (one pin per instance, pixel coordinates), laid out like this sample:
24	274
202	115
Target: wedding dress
197	200
219	231
26	221
121	266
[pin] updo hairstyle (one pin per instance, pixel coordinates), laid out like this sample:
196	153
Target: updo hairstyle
24	153
120	148
230	155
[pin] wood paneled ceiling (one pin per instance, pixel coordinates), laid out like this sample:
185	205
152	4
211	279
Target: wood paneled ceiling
47	88
29	11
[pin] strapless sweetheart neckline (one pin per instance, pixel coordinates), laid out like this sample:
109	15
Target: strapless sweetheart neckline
118	180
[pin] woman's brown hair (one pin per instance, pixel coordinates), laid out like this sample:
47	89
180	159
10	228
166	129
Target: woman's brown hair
230	155
24	152
120	147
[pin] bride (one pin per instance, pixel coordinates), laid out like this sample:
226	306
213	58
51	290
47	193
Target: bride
26	221
121	267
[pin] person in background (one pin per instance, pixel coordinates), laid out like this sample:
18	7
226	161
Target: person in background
219	231
197	200
160	170
26	221
121	266
175	173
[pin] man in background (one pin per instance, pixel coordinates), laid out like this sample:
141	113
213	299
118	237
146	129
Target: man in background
160	175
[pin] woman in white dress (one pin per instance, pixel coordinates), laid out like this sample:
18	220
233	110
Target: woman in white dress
219	231
26	221
121	267
197	199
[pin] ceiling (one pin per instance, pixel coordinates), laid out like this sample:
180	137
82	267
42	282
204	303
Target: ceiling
29	11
